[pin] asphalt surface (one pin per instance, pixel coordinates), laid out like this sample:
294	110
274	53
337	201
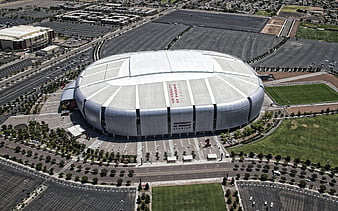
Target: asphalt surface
150	36
15	67
215	20
245	45
65	197
302	53
14	186
269	196
36	80
78	29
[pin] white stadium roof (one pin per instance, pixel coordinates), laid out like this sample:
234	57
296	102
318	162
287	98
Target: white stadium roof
160	79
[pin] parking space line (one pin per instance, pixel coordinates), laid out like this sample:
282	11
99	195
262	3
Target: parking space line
171	146
198	149
139	152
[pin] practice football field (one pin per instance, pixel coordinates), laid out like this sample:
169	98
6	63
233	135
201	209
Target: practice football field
188	197
302	94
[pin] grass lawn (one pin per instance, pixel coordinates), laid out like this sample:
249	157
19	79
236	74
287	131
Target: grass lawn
302	94
293	8
265	13
317	34
188	197
313	139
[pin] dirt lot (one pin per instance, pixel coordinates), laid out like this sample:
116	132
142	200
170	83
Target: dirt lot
325	77
273	26
282	75
311	109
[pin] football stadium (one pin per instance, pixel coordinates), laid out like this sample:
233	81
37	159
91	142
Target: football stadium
166	93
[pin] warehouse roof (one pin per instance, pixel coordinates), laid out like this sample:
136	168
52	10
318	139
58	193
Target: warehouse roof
21	32
159	79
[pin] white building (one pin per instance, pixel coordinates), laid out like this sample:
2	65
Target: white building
168	93
25	37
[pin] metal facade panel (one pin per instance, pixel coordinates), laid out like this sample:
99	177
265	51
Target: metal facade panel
223	92
154	122
181	120
79	97
232	115
104	95
151	96
93	114
204	118
257	101
125	99
121	122
200	92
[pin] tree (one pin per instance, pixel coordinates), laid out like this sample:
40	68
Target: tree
322	188
95	171
95	180
146	186
302	184
260	156
17	149
264	177
38	167
224	182
68	176
147	199
128	183
246	176
139	187
232	181
119	182
227	193
103	172
229	201
84	179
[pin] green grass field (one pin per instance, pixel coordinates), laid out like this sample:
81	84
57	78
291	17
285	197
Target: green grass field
313	139
302	94
188	197
293	8
265	13
317	34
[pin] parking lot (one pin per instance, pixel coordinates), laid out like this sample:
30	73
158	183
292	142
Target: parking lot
302	53
15	67
215	20
14	186
271	196
79	197
245	45
77	29
150	36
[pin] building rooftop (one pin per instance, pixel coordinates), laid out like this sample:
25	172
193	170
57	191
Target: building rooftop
21	32
159	79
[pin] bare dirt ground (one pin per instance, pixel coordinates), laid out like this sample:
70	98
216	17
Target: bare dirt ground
282	75
311	108
325	77
273	26
293	30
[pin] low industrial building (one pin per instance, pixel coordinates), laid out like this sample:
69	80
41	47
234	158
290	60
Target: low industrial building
24	37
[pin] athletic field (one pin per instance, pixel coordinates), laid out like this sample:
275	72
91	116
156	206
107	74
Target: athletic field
188	197
313	138
323	32
302	94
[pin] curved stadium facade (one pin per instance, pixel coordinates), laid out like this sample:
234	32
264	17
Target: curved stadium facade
168	92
